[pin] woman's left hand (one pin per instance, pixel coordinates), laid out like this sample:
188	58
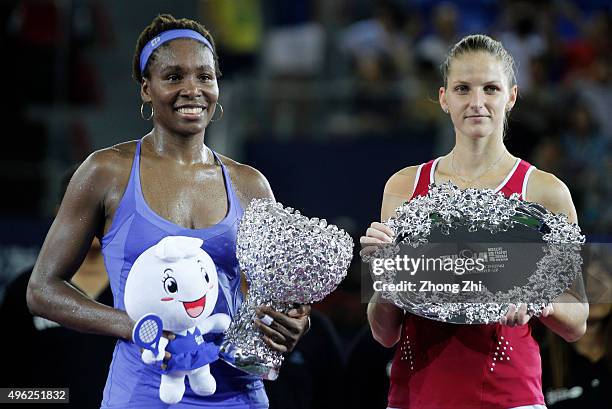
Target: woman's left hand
281	332
519	316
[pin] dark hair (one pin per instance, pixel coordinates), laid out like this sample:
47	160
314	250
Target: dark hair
480	43
161	23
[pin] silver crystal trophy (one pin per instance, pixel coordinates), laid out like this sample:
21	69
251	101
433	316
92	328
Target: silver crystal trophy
288	259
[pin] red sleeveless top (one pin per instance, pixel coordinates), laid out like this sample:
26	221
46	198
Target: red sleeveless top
439	365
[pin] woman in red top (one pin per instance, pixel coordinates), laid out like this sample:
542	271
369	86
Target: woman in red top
446	366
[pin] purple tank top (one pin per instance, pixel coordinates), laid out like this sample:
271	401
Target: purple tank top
135	228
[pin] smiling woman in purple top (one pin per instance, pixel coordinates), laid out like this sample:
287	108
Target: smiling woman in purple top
132	195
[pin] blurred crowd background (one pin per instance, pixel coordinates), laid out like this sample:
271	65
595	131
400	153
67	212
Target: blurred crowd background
327	98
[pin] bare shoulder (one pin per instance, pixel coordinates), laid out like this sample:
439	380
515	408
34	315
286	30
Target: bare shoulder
111	159
398	190
106	165
549	191
94	191
104	174
401	183
248	181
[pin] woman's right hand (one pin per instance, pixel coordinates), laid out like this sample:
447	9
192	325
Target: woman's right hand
376	235
162	355
385	318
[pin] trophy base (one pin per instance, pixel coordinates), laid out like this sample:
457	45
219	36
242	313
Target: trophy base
250	364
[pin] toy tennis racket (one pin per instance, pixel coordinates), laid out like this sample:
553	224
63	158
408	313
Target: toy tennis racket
147	332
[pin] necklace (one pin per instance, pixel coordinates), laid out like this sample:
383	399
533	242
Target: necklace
470	181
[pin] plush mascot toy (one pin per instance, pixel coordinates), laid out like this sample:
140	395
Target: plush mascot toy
177	281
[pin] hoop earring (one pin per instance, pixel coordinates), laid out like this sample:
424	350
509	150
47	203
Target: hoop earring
142	111
220	116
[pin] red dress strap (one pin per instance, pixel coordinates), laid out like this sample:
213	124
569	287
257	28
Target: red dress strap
516	182
423	178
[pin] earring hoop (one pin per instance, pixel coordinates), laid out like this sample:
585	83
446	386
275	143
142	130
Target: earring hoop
142	111
220	116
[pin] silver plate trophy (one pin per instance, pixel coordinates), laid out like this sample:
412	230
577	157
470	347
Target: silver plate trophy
540	254
288	259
